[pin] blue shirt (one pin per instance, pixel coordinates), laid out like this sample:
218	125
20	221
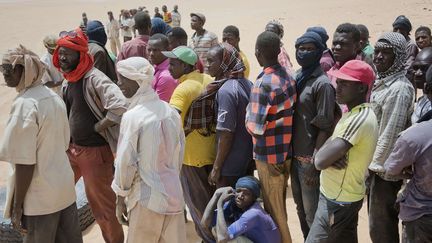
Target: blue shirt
232	100
254	224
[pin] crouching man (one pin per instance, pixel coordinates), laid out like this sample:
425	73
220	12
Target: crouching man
239	217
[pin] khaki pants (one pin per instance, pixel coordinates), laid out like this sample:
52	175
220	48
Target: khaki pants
274	180
115	45
148	226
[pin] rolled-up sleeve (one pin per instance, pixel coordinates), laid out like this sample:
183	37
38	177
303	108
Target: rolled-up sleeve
227	110
126	162
403	155
325	100
111	97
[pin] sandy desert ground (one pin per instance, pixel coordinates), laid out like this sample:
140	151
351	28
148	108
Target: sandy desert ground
28	21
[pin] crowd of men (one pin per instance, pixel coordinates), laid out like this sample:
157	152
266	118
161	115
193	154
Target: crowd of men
161	123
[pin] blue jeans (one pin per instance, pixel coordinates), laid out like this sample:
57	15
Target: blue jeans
305	196
335	222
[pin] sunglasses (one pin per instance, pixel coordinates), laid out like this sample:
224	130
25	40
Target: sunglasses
71	34
6	68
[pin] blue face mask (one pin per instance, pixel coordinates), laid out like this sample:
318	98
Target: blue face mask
308	58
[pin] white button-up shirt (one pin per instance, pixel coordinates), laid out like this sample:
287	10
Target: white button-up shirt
149	156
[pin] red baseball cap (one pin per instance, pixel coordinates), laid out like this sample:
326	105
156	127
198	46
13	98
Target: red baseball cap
356	71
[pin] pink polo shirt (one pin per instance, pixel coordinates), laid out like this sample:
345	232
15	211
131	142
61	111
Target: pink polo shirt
163	83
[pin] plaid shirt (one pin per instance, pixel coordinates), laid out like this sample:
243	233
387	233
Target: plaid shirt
269	115
392	100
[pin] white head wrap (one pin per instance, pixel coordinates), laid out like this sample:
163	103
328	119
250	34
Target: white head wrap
141	71
137	69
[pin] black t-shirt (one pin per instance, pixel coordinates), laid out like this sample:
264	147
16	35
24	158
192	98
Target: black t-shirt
81	118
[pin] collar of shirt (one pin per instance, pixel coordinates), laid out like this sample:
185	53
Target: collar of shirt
388	81
363	105
191	75
162	66
271	69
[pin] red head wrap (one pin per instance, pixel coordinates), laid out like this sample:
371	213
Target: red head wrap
77	41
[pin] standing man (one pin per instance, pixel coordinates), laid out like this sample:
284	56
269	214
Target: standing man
200	150
365	46
126	26
166	15
284	60
202	40
403	26
234	143
421	64
269	121
138	46
97	41
163	83
52	77
231	35
176	17
414	149
148	162
392	101
344	158
327	60
95	106
345	46
313	123
113	33
177	37
157	14
41	194
423	37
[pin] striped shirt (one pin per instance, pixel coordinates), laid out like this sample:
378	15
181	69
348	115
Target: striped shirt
359	127
269	114
201	44
392	100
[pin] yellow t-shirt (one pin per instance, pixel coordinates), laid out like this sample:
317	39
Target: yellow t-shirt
359	127
199	150
246	64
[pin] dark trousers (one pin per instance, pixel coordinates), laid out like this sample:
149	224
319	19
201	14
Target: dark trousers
95	165
383	214
59	227
419	230
197	194
334	222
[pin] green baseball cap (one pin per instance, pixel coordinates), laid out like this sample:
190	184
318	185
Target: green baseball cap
183	53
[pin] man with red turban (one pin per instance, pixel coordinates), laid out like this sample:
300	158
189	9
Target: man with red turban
95	106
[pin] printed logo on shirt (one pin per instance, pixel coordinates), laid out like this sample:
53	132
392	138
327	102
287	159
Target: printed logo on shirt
222	115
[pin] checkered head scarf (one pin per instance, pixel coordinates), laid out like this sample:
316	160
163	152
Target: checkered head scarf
397	43
232	66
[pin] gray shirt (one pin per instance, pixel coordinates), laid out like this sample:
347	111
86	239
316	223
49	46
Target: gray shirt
314	111
414	147
232	99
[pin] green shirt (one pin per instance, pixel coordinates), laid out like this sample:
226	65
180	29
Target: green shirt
359	127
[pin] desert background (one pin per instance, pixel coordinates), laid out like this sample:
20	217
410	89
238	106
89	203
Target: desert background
28	21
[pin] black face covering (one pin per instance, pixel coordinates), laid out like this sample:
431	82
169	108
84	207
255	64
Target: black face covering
308	58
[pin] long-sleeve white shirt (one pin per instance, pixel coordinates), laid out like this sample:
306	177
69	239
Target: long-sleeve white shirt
149	156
